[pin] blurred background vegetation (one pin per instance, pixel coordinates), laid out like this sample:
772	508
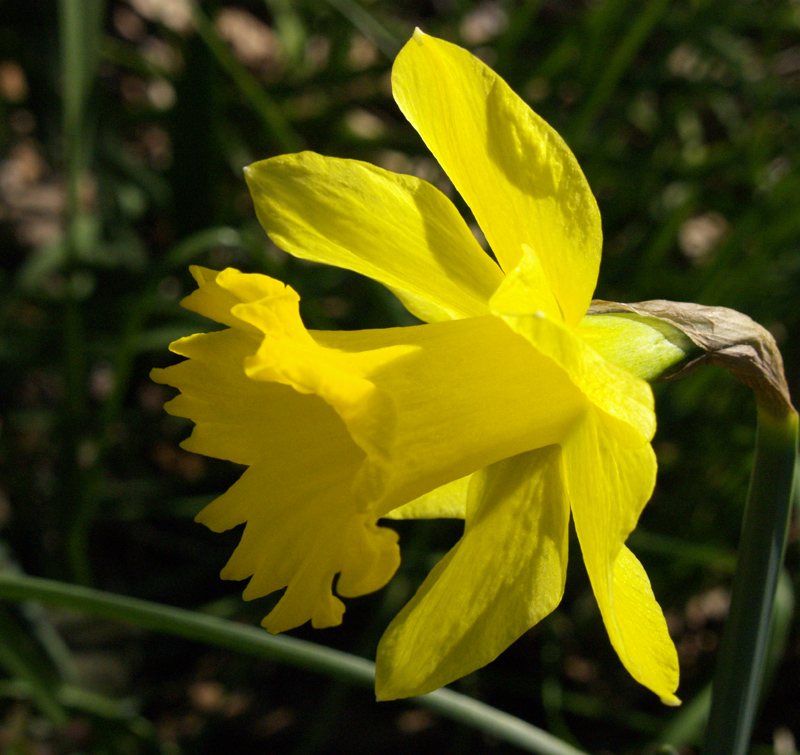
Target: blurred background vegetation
124	128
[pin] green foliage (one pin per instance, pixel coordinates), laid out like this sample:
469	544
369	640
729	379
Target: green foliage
124	128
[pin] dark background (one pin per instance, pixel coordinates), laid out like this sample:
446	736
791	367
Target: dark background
121	163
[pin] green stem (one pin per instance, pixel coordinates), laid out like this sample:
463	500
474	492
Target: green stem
18	660
740	664
257	642
76	40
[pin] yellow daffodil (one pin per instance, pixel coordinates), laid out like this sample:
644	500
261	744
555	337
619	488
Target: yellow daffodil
500	409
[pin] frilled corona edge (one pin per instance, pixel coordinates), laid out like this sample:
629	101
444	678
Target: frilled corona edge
501	408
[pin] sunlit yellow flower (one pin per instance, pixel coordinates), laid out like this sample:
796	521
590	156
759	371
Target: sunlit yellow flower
500	409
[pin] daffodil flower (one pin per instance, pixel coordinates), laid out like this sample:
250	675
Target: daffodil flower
500	409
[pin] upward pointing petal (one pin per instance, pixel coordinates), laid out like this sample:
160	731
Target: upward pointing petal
396	229
515	172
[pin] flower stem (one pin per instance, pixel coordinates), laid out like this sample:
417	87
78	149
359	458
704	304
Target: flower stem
80	26
281	649
738	676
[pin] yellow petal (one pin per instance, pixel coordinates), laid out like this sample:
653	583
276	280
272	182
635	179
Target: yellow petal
226	407
608	484
520	179
427	404
640	635
525	290
505	574
213	300
615	391
368	421
304	525
396	229
445	502
469	393
300	535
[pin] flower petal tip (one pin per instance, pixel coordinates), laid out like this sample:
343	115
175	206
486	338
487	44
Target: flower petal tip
265	624
385	691
419	35
671	700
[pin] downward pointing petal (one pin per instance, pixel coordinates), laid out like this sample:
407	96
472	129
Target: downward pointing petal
638	631
474	604
608	485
